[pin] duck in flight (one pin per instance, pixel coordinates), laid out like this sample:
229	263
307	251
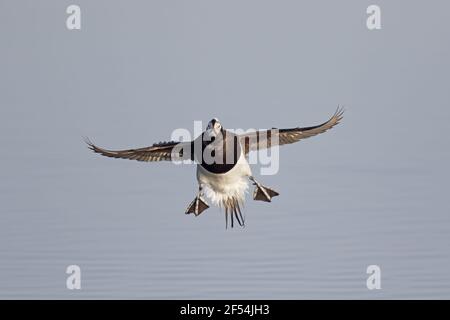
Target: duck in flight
223	171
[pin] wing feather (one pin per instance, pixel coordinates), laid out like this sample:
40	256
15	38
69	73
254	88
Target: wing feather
162	151
263	139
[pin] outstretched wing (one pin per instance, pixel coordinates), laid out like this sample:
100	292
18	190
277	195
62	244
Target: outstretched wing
157	152
262	139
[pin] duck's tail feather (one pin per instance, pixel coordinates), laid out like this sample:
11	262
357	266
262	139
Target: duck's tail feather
233	209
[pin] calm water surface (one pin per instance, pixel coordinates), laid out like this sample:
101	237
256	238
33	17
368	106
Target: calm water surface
374	190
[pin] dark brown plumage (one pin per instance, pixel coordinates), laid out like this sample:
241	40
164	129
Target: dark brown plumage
263	139
157	152
172	150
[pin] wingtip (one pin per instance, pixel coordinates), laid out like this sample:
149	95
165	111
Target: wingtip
339	113
89	143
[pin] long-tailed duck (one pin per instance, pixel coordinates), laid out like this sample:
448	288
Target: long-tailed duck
223	171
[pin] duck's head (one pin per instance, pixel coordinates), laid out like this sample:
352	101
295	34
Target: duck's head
214	128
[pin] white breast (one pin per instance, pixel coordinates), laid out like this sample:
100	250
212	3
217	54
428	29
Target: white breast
222	187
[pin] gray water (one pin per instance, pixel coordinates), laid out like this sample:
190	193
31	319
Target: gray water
373	190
